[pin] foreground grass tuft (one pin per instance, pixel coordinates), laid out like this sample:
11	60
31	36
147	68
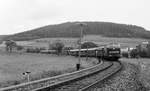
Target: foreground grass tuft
144	76
44	74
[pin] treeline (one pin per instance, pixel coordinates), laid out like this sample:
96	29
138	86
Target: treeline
141	52
72	29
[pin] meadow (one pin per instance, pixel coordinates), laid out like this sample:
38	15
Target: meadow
132	42
13	65
100	40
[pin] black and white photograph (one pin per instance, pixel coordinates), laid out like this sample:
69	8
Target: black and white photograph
74	45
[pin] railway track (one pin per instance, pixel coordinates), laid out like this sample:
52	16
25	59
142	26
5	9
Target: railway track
85	83
108	73
68	82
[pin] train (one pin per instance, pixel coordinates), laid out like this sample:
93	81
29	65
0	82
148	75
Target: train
105	52
111	52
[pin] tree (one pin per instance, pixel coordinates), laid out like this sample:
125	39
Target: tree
134	53
10	44
143	53
88	45
58	46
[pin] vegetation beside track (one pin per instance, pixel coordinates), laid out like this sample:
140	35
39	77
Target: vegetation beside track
41	66
143	65
129	79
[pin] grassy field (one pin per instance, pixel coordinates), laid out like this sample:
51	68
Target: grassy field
105	40
13	65
132	42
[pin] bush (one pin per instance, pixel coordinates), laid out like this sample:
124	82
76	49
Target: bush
143	54
58	46
33	50
19	48
134	53
88	45
125	54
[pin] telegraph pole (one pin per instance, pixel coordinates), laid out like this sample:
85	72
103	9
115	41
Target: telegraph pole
81	25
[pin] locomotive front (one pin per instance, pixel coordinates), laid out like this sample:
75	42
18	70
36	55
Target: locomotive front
112	52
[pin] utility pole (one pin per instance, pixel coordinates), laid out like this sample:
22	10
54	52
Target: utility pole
81	25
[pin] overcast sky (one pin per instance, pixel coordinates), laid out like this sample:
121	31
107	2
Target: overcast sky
21	15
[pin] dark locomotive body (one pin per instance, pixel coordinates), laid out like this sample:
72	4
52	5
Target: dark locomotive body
111	52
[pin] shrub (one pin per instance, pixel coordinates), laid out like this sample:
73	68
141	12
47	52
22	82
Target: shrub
125	54
58	46
33	50
88	45
134	53
19	48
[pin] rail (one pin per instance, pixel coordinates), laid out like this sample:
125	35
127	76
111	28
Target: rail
118	68
54	81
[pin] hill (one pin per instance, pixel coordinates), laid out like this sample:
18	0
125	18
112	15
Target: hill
72	29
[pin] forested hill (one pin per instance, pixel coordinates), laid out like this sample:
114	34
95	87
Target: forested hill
72	29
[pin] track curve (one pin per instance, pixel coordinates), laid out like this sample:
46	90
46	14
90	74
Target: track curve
117	66
87	82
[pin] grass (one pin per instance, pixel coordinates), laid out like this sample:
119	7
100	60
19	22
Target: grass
143	65
105	40
43	42
40	75
40	65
